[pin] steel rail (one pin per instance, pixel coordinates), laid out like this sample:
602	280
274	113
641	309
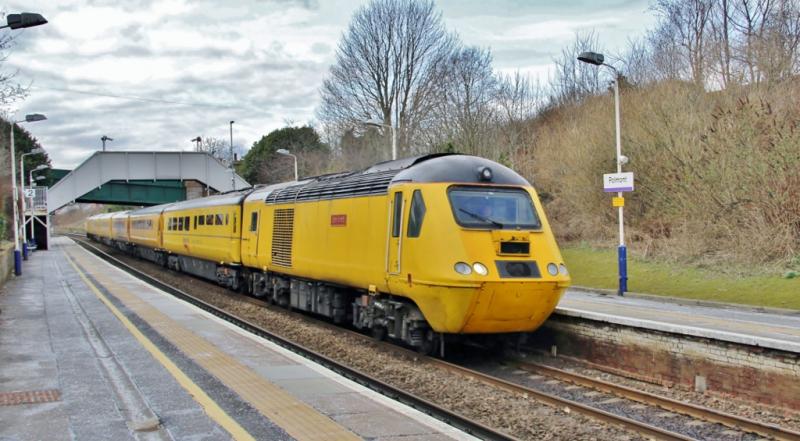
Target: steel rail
452	418
669	404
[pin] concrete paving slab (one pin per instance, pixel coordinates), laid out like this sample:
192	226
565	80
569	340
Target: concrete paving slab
727	323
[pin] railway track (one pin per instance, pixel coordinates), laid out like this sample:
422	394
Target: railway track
481	431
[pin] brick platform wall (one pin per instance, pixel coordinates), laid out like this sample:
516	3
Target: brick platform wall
758	374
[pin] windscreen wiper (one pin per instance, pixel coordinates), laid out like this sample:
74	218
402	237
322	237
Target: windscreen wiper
483	218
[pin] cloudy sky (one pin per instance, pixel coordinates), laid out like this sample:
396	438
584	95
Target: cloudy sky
153	74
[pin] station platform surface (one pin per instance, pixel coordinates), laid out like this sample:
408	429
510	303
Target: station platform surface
744	325
89	352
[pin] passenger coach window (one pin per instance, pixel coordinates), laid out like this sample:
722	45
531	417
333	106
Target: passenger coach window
218	219
254	221
186	223
201	220
398	214
416	214
209	219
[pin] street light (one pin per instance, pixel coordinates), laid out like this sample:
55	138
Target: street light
32	181
286	152
622	252
233	171
24	20
379	123
105	138
33	117
35	151
198	140
40	167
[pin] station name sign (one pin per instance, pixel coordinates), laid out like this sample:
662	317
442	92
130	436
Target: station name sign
615	182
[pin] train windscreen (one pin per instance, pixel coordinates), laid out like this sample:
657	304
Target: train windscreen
493	208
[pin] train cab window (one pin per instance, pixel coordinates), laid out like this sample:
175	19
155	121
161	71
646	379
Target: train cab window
209	219
218	219
254	221
201	220
398	214
416	214
186	223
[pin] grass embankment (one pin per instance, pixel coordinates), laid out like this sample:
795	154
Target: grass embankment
597	268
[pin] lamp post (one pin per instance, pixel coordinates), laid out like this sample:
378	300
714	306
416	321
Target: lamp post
286	152
622	252
233	172
378	123
35	151
30	184
20	21
17	253
198	140
105	138
24	20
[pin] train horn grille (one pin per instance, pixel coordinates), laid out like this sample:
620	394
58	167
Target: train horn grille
282	229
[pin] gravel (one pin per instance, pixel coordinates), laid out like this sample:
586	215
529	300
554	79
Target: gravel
517	415
783	417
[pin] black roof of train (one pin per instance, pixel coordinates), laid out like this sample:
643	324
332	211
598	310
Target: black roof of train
442	167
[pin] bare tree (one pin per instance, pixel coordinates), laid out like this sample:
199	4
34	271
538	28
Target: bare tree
574	80
687	24
388	66
216	147
465	111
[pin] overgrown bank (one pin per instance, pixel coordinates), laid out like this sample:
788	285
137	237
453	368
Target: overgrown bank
717	173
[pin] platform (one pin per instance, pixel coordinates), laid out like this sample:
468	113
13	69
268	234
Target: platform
743	325
89	352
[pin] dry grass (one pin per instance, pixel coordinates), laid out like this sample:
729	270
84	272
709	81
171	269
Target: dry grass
717	174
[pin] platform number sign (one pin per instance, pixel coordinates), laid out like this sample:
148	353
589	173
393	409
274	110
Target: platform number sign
29	193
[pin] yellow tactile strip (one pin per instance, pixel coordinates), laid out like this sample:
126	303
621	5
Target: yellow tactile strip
295	417
29	397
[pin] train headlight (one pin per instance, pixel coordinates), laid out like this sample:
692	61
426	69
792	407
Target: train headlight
552	269
563	269
480	268
463	268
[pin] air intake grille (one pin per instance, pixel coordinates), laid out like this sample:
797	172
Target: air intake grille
282	229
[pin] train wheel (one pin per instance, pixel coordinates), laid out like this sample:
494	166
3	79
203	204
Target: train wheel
430	344
379	332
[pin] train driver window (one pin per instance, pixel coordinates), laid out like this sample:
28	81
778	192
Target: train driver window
254	221
416	214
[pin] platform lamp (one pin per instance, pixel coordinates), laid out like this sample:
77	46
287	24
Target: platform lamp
105	138
36	151
286	153
379	123
33	117
622	252
31	184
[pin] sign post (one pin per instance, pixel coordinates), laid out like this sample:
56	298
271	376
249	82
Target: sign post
618	183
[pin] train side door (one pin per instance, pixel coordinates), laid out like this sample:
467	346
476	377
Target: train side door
251	231
395	233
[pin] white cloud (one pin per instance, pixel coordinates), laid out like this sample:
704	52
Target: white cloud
197	64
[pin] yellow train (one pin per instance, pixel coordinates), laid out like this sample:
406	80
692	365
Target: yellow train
414	249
